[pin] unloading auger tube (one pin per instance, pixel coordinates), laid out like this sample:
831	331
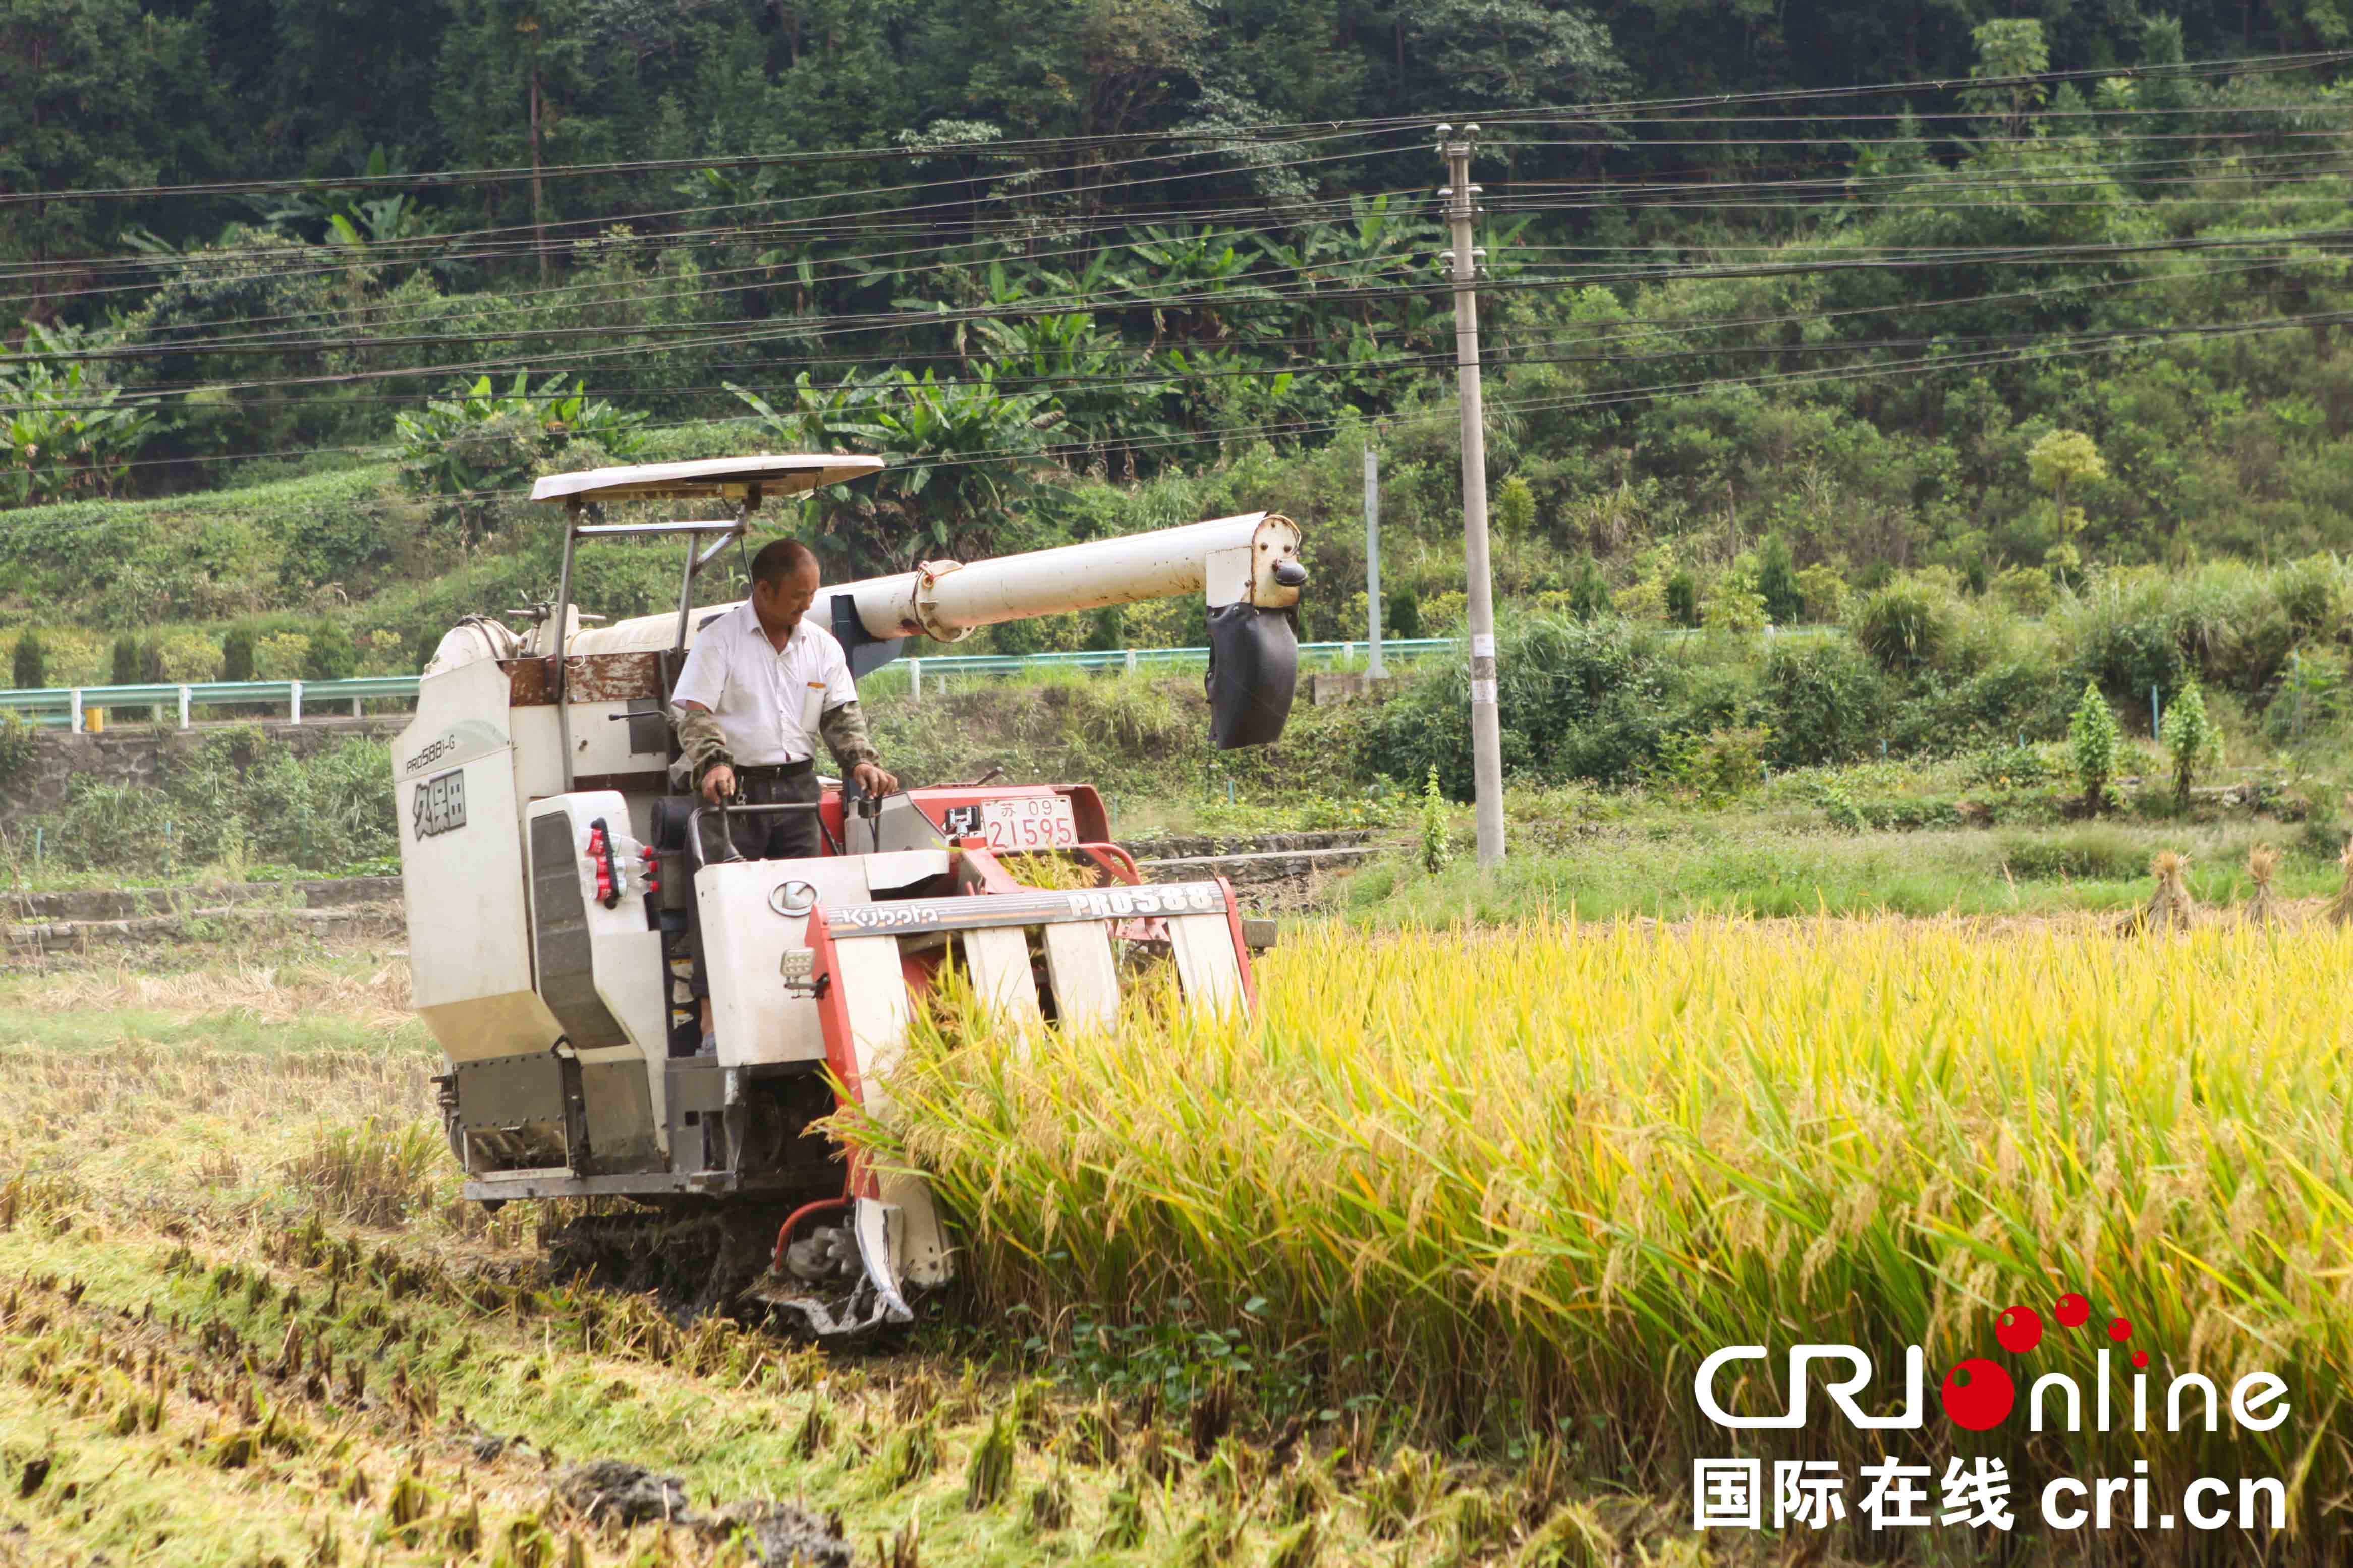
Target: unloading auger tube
1246	567
544	848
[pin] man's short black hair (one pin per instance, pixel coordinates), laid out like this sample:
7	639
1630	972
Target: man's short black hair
780	558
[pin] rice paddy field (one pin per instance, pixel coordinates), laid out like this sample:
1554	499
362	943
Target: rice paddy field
1416	1267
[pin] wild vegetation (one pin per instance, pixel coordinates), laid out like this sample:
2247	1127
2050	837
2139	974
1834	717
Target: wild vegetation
236	806
1979	711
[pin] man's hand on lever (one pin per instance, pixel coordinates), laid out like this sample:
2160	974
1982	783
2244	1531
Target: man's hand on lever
871	778
718	783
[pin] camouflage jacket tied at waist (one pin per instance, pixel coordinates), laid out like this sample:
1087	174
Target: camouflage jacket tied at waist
703	744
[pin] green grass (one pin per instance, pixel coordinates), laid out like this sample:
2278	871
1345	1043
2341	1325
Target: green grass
229	1032
1732	866
22	875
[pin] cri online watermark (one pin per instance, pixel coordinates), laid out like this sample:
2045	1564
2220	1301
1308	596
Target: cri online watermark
1978	1395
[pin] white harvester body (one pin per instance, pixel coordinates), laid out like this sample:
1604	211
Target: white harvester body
545	846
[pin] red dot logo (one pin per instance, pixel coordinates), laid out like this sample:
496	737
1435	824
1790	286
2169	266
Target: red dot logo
1978	1395
2018	1329
2073	1310
2140	1357
2119	1330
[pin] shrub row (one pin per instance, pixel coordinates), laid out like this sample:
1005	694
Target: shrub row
239	802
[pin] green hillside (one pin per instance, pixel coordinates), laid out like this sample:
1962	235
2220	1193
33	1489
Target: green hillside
2046	339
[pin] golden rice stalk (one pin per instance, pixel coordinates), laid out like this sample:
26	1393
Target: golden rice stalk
2340	907
1441	1153
1050	871
2263	907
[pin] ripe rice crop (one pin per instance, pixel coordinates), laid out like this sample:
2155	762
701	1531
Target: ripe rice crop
1524	1181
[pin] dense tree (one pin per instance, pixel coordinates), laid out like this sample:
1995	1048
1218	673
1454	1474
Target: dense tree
95	92
1182	284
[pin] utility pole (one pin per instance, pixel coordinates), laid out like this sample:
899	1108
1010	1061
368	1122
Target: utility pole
1374	669
529	28
1486	726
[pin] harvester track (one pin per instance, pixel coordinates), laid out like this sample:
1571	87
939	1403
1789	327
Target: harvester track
707	1261
693	1263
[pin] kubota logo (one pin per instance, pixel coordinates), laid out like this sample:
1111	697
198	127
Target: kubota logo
1979	1393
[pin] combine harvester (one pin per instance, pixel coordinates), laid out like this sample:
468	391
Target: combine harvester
545	845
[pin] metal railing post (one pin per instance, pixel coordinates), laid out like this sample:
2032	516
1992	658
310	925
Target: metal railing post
298	700
77	711
184	708
916	680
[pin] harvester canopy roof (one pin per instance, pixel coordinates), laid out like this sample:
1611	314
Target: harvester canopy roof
774	475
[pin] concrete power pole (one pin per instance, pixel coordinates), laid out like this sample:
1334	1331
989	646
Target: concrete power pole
1486	725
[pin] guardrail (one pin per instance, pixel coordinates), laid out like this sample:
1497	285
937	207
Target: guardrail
69	707
1133	660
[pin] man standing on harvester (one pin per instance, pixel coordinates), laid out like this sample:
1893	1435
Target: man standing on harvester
761	686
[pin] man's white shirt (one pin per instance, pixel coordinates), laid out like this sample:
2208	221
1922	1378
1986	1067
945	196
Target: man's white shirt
768	702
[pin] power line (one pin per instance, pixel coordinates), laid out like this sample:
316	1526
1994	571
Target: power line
1616	329
526	242
832	327
2017	347
1935	189
1934	175
2045	111
1323	131
780	276
2252	65
2018	256
1620	193
1296	429
424	180
425	244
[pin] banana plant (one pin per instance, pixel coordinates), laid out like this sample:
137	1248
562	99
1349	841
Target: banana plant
338	215
1207	270
479	441
994	286
63	432
962	453
1103	276
1108	399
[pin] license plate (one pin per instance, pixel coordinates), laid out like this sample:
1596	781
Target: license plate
1033	822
